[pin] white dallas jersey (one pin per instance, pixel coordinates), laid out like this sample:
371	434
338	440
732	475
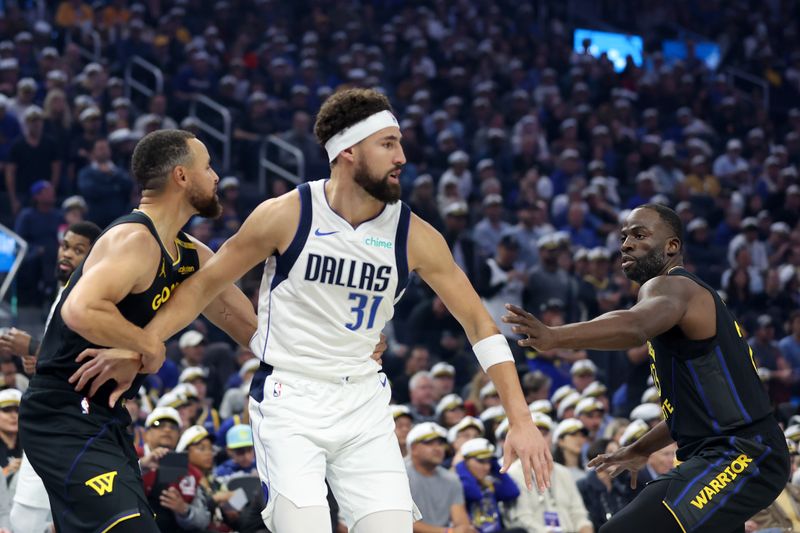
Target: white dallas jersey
323	303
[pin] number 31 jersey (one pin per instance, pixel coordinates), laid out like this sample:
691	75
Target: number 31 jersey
324	301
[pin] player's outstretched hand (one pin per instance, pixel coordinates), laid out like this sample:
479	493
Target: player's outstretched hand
626	458
102	365
380	349
539	336
524	440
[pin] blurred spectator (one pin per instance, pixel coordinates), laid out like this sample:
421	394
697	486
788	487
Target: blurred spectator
569	438
499	282
74	14
38	225
731	162
749	238
420	390
449	411
603	495
242	462
790	344
443	375
417	360
32	157
10	448
403	422
436	492
105	186
491	227
768	356
485	487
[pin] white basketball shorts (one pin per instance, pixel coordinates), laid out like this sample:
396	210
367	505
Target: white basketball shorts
307	430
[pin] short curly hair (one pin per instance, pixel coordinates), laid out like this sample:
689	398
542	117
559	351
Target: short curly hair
345	108
157	154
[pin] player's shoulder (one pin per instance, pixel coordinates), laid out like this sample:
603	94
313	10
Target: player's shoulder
283	205
671	286
135	238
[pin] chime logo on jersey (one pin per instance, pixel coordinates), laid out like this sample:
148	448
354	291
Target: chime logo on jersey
721	481
102	484
348	273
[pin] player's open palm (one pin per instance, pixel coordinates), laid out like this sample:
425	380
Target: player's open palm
524	323
525	441
103	365
619	461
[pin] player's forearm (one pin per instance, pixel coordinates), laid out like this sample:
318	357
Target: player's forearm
654	440
505	379
617	330
233	313
185	304
102	324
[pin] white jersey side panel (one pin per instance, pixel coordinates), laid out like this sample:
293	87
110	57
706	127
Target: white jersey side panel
324	302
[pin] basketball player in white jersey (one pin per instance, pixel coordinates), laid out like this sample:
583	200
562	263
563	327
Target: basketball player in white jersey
337	254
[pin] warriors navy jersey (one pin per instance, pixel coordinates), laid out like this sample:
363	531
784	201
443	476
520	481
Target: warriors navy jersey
325	300
708	387
61	345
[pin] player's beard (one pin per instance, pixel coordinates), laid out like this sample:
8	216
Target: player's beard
62	276
648	266
378	188
206	206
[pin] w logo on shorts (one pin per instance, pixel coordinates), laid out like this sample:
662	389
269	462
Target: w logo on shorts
102	484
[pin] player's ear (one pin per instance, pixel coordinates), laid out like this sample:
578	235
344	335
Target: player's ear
348	154
673	247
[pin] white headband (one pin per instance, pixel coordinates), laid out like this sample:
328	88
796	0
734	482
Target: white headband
358	132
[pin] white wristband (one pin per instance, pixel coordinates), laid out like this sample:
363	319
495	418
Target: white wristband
492	350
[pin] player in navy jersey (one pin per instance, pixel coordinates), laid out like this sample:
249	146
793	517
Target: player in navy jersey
337	254
734	460
74	432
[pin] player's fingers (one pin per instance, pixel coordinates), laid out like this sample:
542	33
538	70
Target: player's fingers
100	380
526	471
518	311
527	343
117	392
88	352
508	458
84	374
514	319
596	461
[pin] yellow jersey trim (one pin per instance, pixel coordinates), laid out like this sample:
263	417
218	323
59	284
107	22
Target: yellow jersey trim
177	247
116	522
674	516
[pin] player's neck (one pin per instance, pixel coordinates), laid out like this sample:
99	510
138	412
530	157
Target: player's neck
167	219
351	201
672	264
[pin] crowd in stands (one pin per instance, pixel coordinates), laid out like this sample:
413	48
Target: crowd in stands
523	152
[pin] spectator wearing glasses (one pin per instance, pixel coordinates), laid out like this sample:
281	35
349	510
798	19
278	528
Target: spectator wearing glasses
10	449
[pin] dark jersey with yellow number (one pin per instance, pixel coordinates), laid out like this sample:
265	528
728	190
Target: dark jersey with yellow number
61	346
710	387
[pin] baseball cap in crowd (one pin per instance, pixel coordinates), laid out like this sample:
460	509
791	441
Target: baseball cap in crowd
547	241
10	398
74	202
780	227
193	435
646	411
192	373
792	447
190	338
792	432
492	199
588	405
698	223
456	209
424	179
459	156
33	112
401	410
251	365
541	406
583	367
239	436
569	401
595	389
562	392
442	369
484	163
464	423
425	432
542	421
479	448
633	432
650	395
162	413
750	223
552	304
733	144
493	414
487	390
448	403
568	427
764	321
172	399
228	181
